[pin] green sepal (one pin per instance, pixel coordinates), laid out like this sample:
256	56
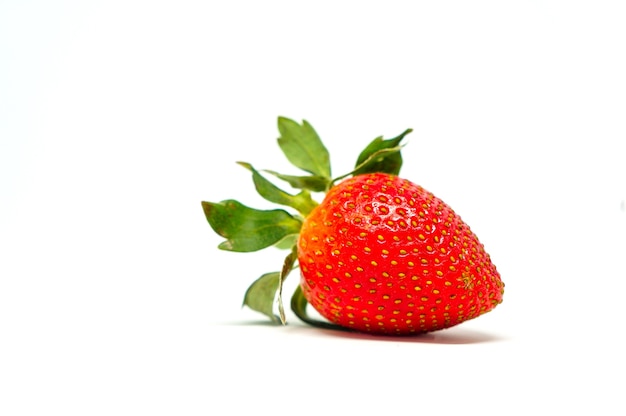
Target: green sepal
303	147
311	183
287	243
381	156
261	294
301	202
268	289
248	229
298	306
288	265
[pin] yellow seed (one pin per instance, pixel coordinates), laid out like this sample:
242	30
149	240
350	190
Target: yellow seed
373	263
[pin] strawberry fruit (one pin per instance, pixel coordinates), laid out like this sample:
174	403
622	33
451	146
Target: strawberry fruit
379	254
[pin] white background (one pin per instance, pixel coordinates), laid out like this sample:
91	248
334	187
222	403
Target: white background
118	117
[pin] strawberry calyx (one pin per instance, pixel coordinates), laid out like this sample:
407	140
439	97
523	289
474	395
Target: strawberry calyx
247	229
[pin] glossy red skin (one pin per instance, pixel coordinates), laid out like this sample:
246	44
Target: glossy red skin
383	255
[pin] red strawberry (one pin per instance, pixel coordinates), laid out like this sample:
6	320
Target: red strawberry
379	254
383	255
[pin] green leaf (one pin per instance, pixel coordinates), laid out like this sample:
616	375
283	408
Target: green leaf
261	294
303	147
381	156
310	183
301	202
298	306
247	229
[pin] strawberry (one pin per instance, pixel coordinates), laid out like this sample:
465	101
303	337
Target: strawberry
379	254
